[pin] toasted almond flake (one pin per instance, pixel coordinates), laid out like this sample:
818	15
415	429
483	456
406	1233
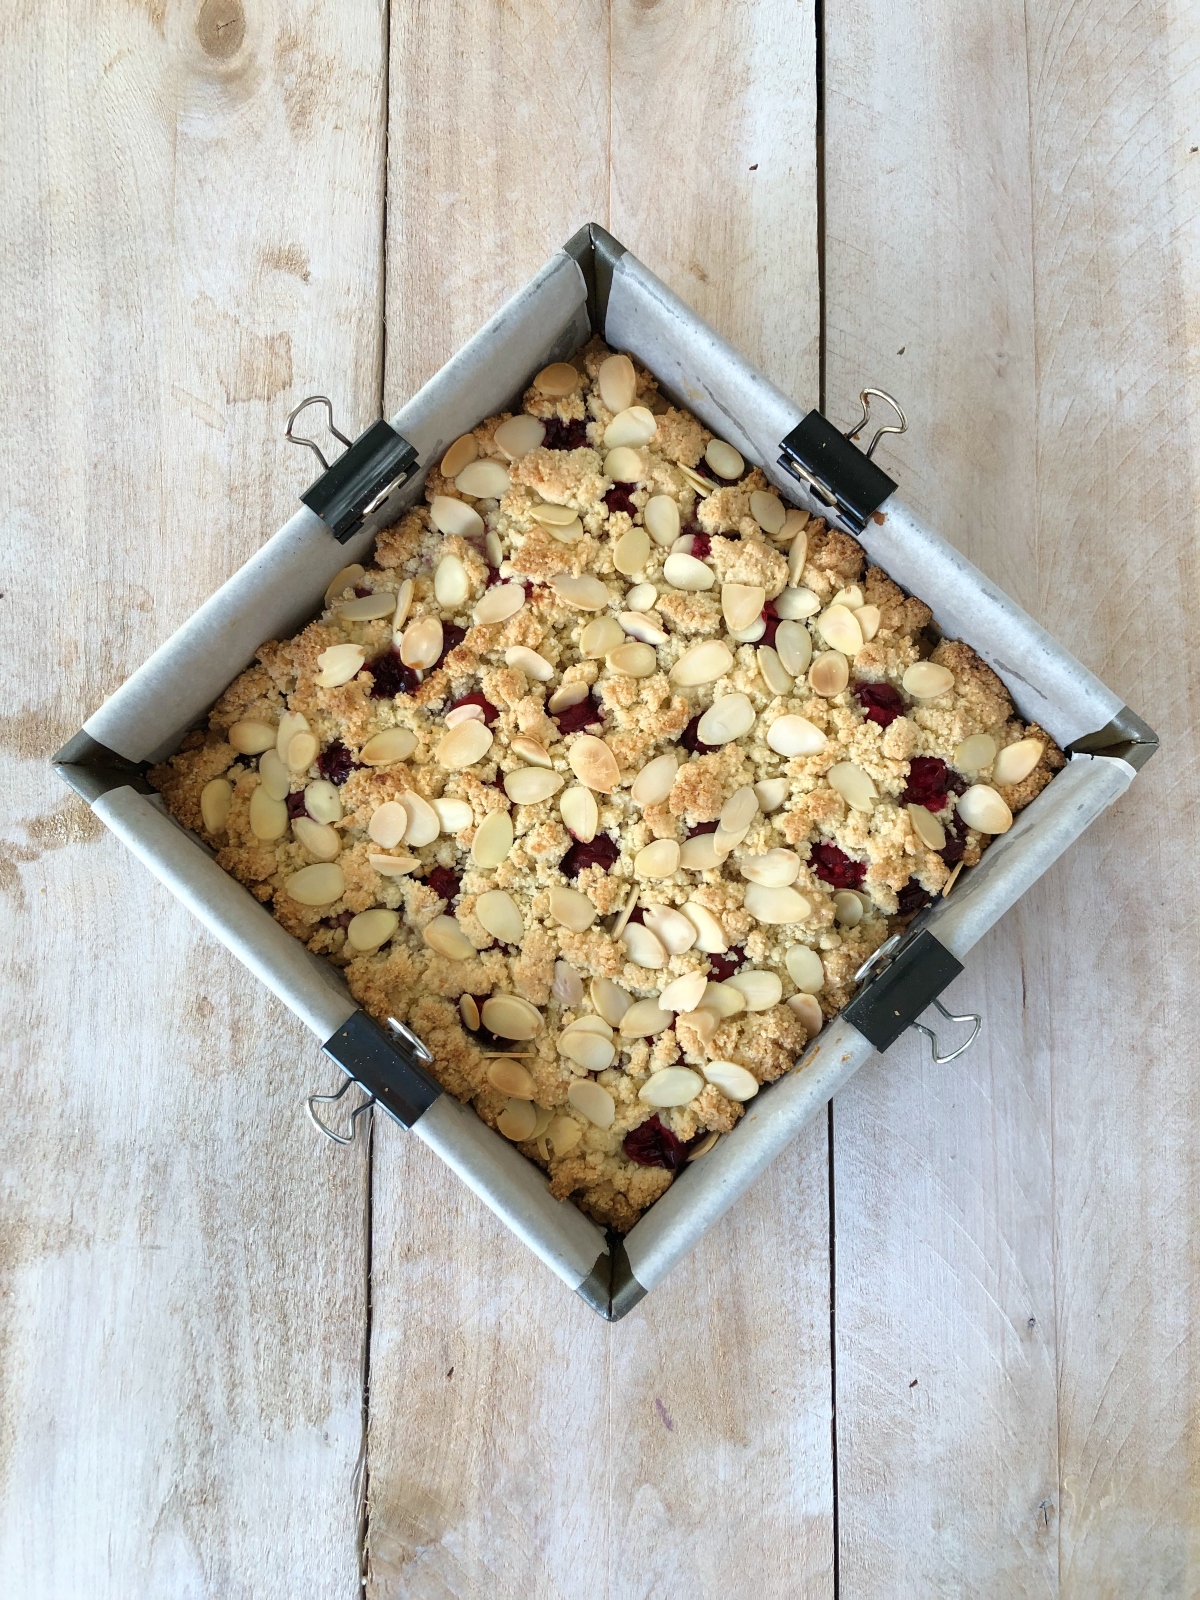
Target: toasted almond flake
741	603
776	906
404	596
322	801
510	1017
632	551
793	605
632	660
1016	761
268	817
634	426
729	717
318	885
761	990
388	824
494	548
642	597
710	935
644	1020
851	597
654	782
252	738
580	814
702	1021
703	663
499	603
838	626
734	1082
368	607
445	936
394	866
563	1134
647	629
594	764
952	879
926	680
463	746
423	825
276	779
393	744
567	987
517	1121
572	908
421	642
530	750
774	869
624	465
672	1086
723	999
983	809
740	810
511	1077
594	1054
771	671
453	516
484	480
750	635
498	913
554	516
528	786
808	1008
644	948
700	854
847	908
370	930
610	1000
793	736
519	435
585	592
597	639
468	1010
661	517
771	792
493	840
726	839
725	461
570	534
670	927
570	694
706	1144
793	645
464	450
589	1022
927	828
558	379
702	486
829	673
617	382
591	1098
531	664
685	572
797	560
621	921
344	578
805	968
318	838
451	585
684	994
216	801
855	786
301	752
657	860
768	510
975	753
869	618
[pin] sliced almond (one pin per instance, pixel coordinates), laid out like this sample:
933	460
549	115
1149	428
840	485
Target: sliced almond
702	486
848	908
927	828
729	717
593	1053
700	853
570	694
301	752
703	663
634	426
684	994
953	878
423	825
774	869
642	597
393	744
975	753
388	824
394	866
290	724
633	660
851	597
572	908
498	913
558	379
726	840
771	670
808	1008
318	838
734	1082
563	1134
647	629
580	813
670	927
710	935
518	436
567	987
445	936
702	1022
268	817
319	885
926	680
511	1078
530	662
499	603
510	1017
632	551
797	559
463	746
617	382
554	516
594	764
322	801
592	1099
370	930
793	736
368	607
768	510
344	578
276	778
805	968
528	786
468	1010
644	948
983	809
776	907
661	517
725	461
494	547
750	635
585	592
464	449
672	1086
723	999
421	642
484	480
216	801
740	810
598	638
793	605
624	465
839	628
531	750
761	990
610	1000
453	815
453	516
451	585
1016	761
687	573
493	840
252	738
741	603
643	1020
855	786
829	673
869	619
771	792
517	1121
656	779
793	645
404	596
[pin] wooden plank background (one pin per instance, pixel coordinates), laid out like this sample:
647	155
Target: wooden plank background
216	207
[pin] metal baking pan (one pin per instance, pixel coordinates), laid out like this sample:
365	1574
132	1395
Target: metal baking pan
593	285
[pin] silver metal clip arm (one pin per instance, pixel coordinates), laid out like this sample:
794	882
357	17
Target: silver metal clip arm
938	1055
329	1099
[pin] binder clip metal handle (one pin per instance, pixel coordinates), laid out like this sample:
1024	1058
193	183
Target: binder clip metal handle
941	1056
331	1099
311	444
892	427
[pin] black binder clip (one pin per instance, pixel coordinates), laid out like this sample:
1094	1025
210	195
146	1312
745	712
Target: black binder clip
361	479
832	467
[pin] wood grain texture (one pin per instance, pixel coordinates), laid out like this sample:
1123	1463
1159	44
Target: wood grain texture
519	1446
192	240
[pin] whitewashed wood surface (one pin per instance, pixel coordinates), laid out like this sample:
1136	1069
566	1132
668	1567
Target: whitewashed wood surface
235	1361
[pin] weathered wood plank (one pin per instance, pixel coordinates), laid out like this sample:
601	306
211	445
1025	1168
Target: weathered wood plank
192	240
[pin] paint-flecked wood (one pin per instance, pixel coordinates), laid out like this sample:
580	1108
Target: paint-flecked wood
191	242
518	1445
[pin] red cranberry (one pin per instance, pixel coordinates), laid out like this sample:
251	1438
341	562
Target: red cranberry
618	499
880	702
701	545
703	469
452	637
295	805
598	852
930	783
911	898
565	435
770	622
652	1145
335	763
390	677
956	841
636	915
690	737
722	967
834	866
702	827
489	711
444	883
573	719
361	592
342	920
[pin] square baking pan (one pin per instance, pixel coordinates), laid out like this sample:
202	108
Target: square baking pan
594	286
